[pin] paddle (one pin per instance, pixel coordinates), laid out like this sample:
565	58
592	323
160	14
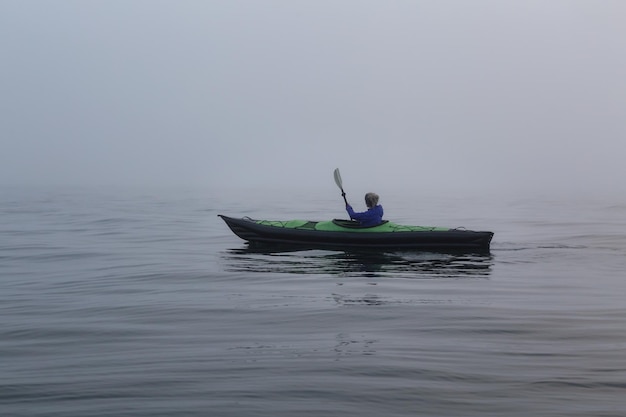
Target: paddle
340	184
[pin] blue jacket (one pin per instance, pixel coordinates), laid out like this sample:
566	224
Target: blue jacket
372	217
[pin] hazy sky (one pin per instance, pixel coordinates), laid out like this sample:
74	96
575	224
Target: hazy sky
451	94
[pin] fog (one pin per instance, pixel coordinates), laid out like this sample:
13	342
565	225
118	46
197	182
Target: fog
454	95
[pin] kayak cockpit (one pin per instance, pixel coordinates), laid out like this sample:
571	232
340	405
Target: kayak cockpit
353	224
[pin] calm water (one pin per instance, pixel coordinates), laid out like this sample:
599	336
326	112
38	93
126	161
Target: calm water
142	303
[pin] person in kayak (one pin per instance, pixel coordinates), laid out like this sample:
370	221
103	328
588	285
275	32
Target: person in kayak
374	214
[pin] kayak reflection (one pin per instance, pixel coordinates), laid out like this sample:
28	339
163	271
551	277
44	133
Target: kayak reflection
401	263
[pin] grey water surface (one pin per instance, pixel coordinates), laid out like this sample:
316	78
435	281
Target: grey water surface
134	302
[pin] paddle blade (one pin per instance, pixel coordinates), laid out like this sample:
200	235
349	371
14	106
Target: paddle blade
338	179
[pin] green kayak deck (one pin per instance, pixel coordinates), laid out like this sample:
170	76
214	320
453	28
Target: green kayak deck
346	226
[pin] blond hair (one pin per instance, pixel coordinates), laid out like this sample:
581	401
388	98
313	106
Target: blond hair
371	199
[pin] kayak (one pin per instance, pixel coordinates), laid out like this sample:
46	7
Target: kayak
340	233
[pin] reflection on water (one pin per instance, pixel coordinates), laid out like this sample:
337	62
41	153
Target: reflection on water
403	263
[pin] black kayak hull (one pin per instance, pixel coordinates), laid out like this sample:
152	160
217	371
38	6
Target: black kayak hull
432	240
